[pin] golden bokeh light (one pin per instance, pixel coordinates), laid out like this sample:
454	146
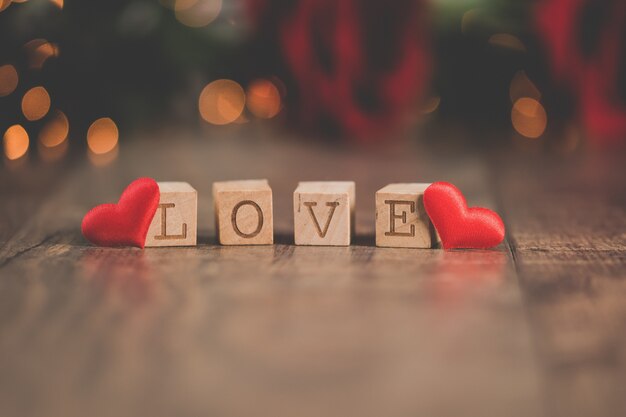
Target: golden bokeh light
179	4
8	80
58	3
431	104
4	4
35	103
197	13
15	142
506	40
101	160
241	120
522	86
469	20
102	136
529	117
263	99
55	132
221	102
53	154
39	51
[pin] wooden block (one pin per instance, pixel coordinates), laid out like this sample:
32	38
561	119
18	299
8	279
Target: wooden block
243	212
323	213
401	220
175	222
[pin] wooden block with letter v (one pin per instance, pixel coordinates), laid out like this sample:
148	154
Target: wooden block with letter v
323	213
401	220
175	222
243	212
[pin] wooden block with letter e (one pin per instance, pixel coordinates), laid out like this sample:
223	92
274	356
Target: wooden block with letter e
243	212
323	213
175	222
401	220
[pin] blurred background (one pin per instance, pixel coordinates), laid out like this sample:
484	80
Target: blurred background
82	77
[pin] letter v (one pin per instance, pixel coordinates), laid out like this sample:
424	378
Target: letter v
333	205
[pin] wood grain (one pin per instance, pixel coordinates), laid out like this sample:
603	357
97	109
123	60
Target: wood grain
401	219
536	328
243	212
567	221
323	213
175	222
24	185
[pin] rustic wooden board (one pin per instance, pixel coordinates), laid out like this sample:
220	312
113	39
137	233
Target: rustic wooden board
308	331
23	186
567	218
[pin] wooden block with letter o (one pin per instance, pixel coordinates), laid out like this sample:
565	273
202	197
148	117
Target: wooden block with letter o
243	212
323	213
175	222
401	220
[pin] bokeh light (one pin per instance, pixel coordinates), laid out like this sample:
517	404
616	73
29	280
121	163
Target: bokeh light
505	40
197	13
221	102
35	103
522	86
263	99
55	131
39	51
4	4
53	154
241	120
102	136
469	20
8	80
15	142
529	117
104	159
58	3
431	104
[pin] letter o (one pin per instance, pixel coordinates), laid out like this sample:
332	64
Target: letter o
233	219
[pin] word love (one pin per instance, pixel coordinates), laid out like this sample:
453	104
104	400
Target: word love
412	215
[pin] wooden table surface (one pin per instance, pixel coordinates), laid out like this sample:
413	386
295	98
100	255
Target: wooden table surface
534	327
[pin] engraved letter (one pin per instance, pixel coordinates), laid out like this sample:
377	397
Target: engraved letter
393	216
164	235
233	219
333	205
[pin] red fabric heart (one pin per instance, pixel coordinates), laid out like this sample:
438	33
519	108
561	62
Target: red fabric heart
125	223
460	226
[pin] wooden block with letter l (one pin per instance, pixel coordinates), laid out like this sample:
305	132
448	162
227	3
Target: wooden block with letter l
175	222
323	213
243	212
401	220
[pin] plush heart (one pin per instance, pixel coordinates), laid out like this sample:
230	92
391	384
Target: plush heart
125	223
460	226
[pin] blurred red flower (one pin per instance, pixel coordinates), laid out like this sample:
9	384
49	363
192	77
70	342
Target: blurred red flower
357	65
586	45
